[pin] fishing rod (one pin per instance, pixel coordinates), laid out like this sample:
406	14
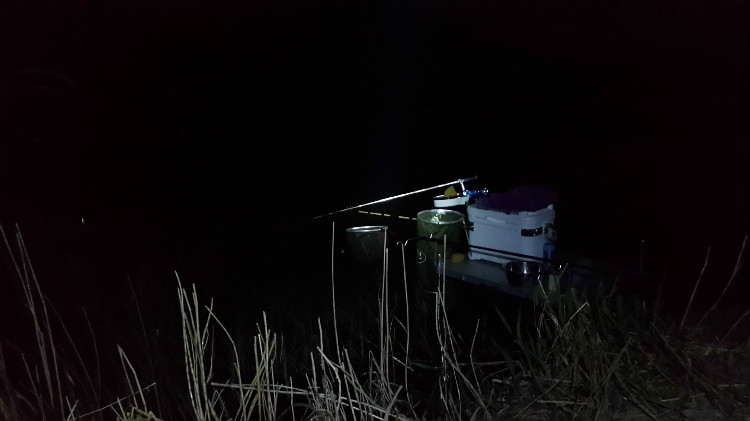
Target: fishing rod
460	181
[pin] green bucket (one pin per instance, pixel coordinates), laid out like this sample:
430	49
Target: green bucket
437	225
441	224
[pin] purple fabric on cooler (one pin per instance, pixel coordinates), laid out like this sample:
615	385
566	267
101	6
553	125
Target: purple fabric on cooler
528	198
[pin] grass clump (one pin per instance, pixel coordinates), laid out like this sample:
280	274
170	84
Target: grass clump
581	359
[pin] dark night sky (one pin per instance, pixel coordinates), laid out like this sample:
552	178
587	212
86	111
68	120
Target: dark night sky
208	124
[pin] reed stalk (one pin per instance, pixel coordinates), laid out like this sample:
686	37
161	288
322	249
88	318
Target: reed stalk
695	288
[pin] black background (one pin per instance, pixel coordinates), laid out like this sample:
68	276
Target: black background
188	136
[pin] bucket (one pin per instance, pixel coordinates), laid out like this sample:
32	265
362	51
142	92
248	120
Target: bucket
366	243
439	223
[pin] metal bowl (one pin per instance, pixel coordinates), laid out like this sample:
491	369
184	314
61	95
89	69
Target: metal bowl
520	272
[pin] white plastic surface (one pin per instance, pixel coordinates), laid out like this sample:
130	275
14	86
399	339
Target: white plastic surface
502	231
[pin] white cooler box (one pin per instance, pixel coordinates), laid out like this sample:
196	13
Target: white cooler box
522	232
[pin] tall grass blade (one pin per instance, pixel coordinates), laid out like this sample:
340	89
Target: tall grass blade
735	272
695	288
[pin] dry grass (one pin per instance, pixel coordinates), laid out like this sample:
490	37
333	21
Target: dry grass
592	356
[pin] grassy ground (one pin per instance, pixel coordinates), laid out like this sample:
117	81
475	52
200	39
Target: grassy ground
370	354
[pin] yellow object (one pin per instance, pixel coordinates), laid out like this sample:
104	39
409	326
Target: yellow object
457	257
450	192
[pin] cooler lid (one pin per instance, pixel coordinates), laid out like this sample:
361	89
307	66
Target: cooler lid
526	198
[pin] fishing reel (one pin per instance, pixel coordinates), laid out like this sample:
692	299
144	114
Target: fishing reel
453	198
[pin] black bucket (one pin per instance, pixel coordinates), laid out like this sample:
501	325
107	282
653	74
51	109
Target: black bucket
367	243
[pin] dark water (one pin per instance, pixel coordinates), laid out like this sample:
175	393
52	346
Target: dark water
139	140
